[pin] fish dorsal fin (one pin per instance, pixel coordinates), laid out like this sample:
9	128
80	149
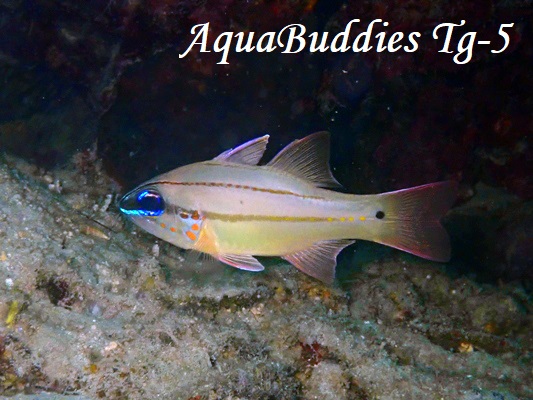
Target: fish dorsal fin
248	263
308	158
319	260
247	153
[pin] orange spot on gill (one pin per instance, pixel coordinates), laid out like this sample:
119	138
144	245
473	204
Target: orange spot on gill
191	235
195	227
172	229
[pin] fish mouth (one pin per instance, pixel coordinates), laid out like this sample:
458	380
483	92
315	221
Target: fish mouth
142	203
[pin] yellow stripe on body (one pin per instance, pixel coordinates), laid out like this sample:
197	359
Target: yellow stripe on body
271	218
242	217
231	228
275	235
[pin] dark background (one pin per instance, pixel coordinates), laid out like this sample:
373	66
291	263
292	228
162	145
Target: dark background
106	75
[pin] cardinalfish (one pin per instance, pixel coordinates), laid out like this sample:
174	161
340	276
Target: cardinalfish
234	209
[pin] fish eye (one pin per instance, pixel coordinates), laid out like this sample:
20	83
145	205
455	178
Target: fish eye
146	203
150	203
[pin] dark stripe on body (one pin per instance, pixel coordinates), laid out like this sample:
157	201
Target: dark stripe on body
175	209
233	186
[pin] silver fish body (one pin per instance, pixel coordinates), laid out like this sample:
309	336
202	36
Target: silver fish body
234	209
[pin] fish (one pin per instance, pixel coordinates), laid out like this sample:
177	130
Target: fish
234	209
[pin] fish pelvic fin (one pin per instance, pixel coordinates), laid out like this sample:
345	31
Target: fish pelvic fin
410	220
308	158
248	153
319	260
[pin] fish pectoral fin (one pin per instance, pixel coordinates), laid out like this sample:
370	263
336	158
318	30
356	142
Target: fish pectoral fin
248	263
319	260
307	158
248	153
194	257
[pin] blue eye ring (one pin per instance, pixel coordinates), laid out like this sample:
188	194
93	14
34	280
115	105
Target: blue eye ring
151	203
145	203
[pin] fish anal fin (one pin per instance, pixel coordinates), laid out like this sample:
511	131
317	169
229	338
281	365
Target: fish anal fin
248	153
246	262
319	260
308	158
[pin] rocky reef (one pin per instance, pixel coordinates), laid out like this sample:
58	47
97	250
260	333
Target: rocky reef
90	307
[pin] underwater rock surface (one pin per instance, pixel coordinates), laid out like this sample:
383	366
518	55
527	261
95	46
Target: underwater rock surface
91	307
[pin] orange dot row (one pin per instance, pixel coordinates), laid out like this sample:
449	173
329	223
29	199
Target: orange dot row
190	234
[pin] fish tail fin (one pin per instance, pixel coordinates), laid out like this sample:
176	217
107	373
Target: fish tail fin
410	219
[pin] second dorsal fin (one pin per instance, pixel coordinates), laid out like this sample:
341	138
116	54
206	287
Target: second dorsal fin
307	158
247	153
